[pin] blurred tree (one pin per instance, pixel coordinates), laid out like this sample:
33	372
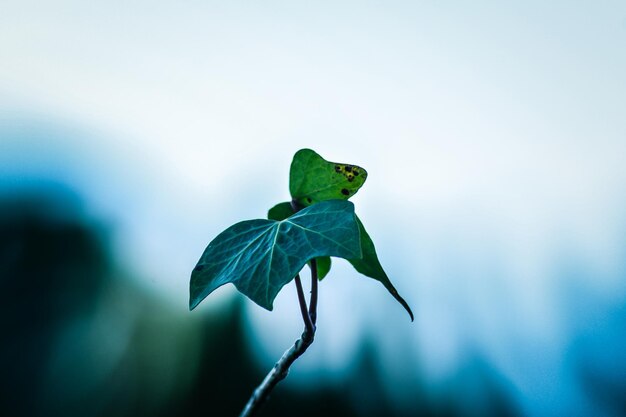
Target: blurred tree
81	338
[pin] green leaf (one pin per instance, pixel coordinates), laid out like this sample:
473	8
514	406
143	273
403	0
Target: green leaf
280	211
369	265
323	266
260	256
283	210
313	179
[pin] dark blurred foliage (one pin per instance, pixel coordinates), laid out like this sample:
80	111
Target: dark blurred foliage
597	356
50	265
80	337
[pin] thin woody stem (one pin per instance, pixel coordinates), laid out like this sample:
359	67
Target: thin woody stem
306	315
313	301
281	368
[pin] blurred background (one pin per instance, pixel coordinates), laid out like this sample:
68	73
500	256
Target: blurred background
494	134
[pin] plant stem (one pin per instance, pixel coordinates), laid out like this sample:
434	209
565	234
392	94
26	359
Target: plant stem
313	304
281	368
306	316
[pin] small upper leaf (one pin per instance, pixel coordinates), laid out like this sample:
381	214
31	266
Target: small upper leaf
369	265
280	211
313	179
260	256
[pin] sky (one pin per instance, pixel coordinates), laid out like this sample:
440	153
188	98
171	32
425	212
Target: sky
494	134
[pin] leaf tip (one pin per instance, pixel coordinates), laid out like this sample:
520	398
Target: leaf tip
304	150
192	304
401	300
410	314
406	307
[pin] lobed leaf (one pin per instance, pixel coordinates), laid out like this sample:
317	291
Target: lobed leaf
283	210
260	256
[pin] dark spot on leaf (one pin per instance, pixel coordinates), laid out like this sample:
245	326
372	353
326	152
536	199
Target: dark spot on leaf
308	200
355	172
199	268
345	191
350	178
348	168
337	168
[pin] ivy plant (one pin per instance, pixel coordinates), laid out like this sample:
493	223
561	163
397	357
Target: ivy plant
261	256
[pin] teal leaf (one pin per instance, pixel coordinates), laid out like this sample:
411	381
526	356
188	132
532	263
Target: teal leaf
260	256
283	210
370	266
